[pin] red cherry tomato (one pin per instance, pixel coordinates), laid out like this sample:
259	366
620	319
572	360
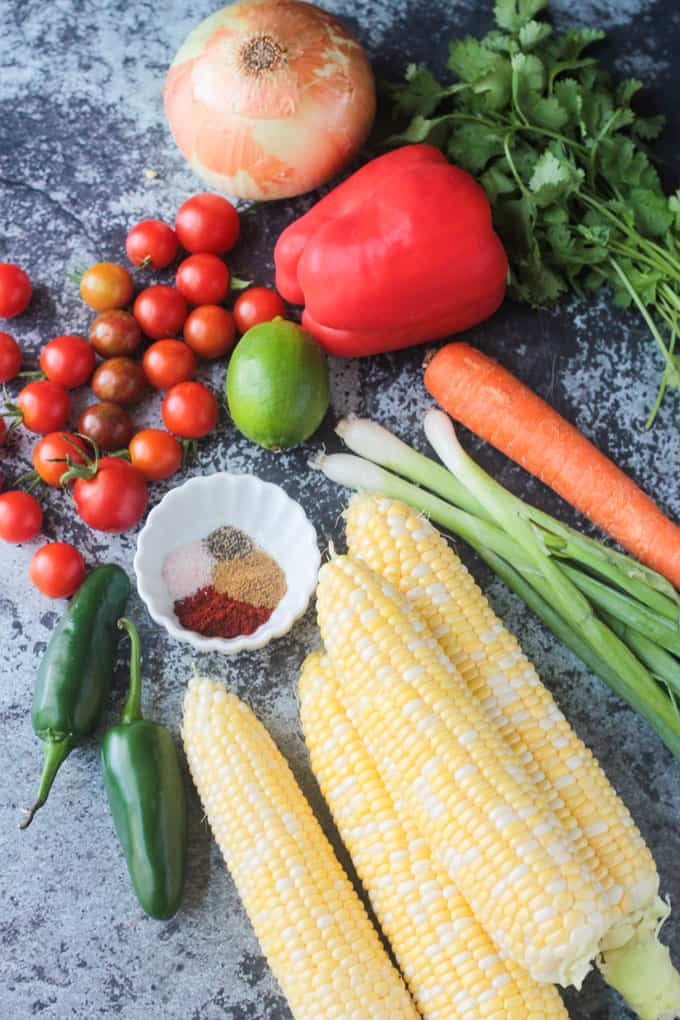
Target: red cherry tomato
68	360
207	223
160	311
152	243
50	453
45	406
114	499
10	357
210	331
190	410
115	333
156	454
106	285
168	362
256	305
20	516
57	569
203	279
15	290
107	424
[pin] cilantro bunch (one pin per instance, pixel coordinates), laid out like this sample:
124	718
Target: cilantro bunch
563	158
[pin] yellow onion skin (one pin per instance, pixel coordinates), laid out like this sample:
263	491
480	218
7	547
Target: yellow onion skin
269	99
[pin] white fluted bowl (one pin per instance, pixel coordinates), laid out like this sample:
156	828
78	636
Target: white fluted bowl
273	520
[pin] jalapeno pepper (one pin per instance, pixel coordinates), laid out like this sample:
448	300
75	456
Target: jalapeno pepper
75	674
145	788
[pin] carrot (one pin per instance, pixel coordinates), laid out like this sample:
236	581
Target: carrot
488	400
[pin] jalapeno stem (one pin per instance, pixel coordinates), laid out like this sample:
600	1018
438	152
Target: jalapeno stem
132	709
55	753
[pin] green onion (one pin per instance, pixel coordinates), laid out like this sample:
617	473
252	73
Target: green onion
535	555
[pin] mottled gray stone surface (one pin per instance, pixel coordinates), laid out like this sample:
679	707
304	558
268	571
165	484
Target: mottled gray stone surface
81	118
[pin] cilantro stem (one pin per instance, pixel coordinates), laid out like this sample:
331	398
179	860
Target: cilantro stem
555	135
511	164
672	266
668	358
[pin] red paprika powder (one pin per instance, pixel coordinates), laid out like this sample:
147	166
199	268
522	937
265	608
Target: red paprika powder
211	614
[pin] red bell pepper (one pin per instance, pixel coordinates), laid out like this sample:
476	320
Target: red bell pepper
401	252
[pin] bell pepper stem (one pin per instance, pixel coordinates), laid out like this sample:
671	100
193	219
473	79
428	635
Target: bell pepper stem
132	709
55	753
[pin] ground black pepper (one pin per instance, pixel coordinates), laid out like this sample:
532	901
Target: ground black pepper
228	543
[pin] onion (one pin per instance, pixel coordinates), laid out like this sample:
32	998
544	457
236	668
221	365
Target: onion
269	98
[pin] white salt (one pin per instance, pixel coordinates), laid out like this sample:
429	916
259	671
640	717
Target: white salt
187	569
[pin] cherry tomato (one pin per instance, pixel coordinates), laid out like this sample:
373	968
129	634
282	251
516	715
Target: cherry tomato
106	285
207	223
10	357
168	362
210	331
45	406
15	290
3	437
114	499
203	279
57	569
152	243
115	333
120	380
20	516
190	410
68	360
156	453
50	453
108	425
256	305
160	311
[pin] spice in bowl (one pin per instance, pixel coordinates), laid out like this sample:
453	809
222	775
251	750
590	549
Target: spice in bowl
223	585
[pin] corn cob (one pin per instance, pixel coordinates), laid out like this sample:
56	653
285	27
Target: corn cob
452	967
397	542
312	927
482	817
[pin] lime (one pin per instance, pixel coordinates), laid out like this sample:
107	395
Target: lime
277	384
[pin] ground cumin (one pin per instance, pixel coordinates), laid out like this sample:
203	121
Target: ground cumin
255	578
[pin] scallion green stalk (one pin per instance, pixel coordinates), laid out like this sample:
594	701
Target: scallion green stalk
661	630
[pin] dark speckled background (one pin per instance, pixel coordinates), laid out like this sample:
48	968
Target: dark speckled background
80	120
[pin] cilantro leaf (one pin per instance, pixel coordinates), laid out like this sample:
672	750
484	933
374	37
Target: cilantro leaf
473	145
649	128
533	33
652	214
576	40
422	95
421	129
626	89
470	60
547	113
512	14
674	206
528	74
568	93
497	180
554	179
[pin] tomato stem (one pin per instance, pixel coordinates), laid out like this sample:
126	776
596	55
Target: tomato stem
189	450
88	469
30	479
